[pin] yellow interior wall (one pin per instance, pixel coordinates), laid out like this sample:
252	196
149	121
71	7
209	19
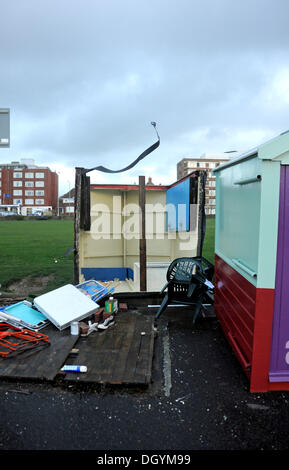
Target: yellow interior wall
106	251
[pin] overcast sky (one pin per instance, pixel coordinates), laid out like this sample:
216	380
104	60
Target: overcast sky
84	78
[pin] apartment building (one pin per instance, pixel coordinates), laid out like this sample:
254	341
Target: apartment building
206	162
66	203
26	188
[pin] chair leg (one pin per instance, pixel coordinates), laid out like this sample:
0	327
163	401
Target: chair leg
162	306
197	309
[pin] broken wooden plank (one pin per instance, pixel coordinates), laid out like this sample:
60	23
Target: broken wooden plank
125	348
138	365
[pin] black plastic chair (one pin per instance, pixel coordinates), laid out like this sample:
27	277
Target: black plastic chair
186	283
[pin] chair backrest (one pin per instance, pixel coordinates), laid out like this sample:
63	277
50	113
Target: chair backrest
182	269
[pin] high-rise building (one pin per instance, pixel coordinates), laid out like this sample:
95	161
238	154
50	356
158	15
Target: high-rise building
206	162
27	188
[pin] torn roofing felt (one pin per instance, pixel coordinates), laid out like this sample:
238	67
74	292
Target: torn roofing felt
141	156
84	182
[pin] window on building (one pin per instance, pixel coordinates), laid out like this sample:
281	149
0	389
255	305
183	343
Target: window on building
17	192
39	184
29	175
69	209
29	184
17	174
39	201
17	201
17	184
0	174
0	192
29	201
29	192
39	175
40	192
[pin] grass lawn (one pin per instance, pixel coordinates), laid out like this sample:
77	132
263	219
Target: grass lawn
209	242
36	248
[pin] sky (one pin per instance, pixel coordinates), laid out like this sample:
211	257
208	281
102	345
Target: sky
83	80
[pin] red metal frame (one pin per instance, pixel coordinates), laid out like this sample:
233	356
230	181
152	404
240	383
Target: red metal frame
14	340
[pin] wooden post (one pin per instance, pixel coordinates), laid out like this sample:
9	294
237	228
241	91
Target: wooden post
201	212
85	203
77	215
142	240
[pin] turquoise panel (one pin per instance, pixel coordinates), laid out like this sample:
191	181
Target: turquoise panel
238	198
25	313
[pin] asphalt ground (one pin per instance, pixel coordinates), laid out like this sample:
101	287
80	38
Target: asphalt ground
199	400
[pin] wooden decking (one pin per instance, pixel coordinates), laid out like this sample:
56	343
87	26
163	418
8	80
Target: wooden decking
122	354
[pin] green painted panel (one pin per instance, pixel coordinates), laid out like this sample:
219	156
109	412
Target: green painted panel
238	199
269	216
275	148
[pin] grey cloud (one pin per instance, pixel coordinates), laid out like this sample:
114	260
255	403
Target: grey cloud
84	79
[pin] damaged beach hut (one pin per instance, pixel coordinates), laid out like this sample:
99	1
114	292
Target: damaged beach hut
133	232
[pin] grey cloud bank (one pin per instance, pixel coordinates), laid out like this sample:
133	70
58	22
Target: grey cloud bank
84	79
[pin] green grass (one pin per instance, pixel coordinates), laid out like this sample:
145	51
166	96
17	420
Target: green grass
209	242
31	247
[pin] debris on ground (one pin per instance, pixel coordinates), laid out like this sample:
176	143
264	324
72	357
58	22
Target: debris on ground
81	323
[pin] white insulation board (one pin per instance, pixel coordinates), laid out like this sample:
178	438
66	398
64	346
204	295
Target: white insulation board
65	305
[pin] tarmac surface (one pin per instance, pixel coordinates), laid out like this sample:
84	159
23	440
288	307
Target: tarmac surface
199	400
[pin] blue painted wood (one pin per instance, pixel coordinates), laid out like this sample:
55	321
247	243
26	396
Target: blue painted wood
178	207
107	274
